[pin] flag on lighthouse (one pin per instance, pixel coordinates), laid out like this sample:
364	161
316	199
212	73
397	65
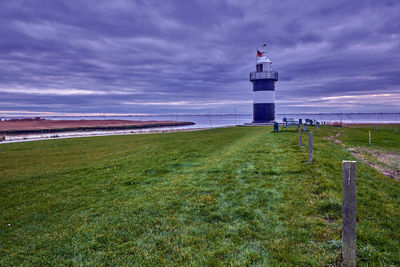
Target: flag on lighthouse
259	54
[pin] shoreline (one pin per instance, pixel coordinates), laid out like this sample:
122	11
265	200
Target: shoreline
31	126
20	130
94	134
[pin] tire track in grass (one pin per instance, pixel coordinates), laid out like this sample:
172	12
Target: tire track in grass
196	215
221	203
232	199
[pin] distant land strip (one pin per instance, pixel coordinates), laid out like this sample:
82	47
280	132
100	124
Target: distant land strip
37	125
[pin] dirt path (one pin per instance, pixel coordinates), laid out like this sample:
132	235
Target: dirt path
387	163
333	136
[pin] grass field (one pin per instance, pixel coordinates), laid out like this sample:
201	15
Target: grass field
233	196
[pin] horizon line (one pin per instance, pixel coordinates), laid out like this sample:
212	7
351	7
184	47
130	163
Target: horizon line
30	114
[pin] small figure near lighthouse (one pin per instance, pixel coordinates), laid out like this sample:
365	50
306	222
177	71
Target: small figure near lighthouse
263	80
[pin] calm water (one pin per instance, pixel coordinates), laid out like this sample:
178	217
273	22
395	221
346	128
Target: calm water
210	121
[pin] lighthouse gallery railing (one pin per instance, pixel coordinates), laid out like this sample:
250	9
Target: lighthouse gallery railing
264	75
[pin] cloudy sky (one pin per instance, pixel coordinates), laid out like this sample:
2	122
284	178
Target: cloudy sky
170	57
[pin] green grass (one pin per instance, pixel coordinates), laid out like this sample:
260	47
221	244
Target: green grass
234	196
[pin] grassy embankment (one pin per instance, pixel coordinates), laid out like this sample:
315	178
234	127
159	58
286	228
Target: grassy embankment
235	196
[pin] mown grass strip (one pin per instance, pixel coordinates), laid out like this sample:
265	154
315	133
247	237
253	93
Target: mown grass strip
236	196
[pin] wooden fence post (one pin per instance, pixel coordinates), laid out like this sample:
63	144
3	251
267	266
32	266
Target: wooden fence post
300	141
310	147
349	213
369	135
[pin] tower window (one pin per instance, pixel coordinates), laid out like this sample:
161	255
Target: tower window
259	67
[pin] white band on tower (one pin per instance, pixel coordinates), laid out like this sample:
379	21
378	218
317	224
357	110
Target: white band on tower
260	97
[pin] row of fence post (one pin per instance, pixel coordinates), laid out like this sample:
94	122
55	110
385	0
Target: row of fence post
349	204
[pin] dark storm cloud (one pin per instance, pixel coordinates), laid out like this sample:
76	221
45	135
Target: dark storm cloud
195	56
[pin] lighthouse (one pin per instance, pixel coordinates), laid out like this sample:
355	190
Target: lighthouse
263	80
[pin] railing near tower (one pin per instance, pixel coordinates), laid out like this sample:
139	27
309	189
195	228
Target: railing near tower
264	75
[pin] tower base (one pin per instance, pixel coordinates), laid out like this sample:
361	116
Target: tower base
263	112
259	124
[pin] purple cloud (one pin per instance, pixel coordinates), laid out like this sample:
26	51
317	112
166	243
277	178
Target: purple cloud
195	56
